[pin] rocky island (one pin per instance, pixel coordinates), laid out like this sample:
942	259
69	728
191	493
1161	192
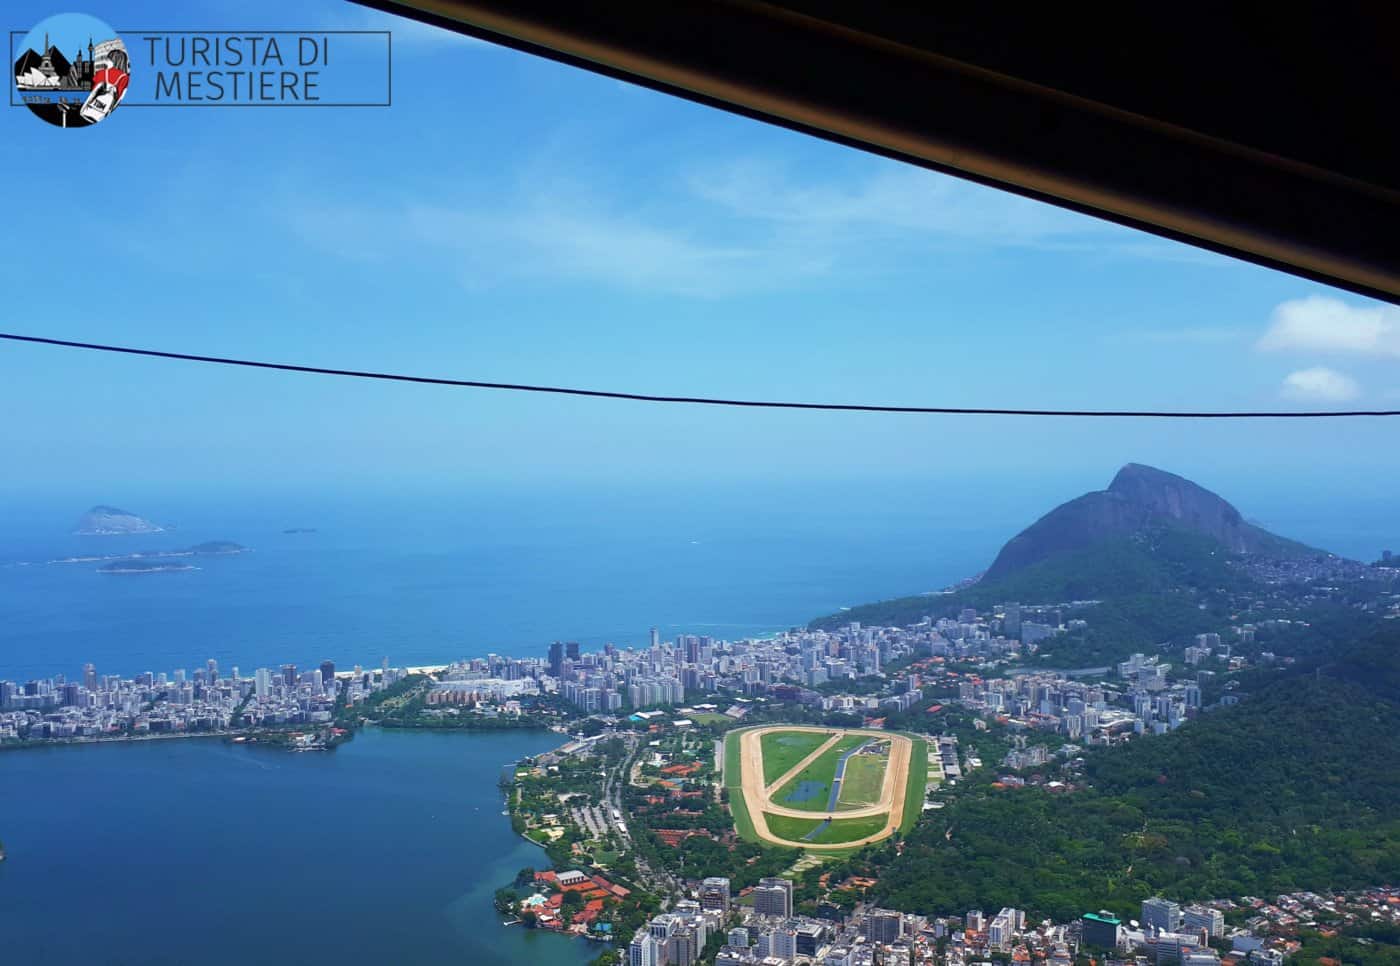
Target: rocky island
109	521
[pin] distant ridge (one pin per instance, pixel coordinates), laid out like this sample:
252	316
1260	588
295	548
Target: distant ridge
1139	498
1156	544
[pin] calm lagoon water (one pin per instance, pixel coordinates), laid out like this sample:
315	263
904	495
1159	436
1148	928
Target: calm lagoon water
387	850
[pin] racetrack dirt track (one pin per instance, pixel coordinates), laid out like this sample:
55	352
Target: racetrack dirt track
759	797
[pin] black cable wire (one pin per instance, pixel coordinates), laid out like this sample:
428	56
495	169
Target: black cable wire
702	400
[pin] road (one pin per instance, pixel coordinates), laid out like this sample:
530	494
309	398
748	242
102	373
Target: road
660	881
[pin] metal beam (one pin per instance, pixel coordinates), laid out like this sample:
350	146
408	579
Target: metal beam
868	82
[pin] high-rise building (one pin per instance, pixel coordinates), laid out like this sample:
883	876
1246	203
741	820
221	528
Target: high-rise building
571	651
289	675
1003	927
810	936
643	951
262	683
556	659
882	926
1194	918
655	638
1099	929
1172	948
662	926
327	672
714	894
682	947
783	944
89	677
1161	915
773	897
212	667
1011	619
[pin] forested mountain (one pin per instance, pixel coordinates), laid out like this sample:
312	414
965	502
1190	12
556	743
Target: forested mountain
1139	499
1294	788
1163	555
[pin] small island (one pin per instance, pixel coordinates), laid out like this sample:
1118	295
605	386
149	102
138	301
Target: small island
300	530
216	548
143	566
109	521
157	561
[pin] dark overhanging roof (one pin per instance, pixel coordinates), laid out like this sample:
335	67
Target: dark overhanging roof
1266	135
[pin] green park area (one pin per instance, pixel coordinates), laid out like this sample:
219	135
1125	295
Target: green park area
864	778
835	833
784	749
810	789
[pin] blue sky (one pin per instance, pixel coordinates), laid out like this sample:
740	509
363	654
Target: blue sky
509	219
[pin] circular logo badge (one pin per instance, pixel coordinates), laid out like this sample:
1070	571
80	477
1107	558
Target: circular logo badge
72	70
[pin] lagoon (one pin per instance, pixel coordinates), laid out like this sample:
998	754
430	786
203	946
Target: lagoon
386	850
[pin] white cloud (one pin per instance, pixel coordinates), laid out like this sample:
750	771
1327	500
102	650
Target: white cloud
1325	324
559	235
742	229
1320	384
578	239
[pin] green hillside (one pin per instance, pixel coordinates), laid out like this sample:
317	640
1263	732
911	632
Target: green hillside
1172	569
1294	788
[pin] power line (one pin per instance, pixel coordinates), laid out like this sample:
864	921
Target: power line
702	400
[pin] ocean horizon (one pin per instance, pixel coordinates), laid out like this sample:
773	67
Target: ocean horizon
430	580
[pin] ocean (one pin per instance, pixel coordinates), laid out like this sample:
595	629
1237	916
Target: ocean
422	582
430	578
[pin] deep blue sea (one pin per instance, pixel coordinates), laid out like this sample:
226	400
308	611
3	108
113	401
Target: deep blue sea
425	582
178	851
428	579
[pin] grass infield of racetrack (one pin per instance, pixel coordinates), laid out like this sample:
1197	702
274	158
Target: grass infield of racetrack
840	830
865	777
782	751
821	772
743	823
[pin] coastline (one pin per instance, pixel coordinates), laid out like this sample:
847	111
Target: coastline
110	739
